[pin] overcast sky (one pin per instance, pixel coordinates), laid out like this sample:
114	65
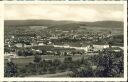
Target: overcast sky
74	12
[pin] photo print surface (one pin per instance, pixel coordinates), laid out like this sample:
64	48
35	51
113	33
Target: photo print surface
63	40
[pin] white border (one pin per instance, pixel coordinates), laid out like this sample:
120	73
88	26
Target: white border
1	39
69	79
125	41
65	2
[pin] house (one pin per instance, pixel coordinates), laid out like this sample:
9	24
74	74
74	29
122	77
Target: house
91	48
19	45
114	49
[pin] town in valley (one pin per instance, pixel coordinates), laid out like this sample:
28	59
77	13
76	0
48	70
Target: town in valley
52	41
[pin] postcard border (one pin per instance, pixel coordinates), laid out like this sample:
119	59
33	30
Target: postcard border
64	79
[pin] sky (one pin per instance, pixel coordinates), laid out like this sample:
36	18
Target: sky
1	13
74	12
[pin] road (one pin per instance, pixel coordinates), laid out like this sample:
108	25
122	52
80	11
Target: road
62	74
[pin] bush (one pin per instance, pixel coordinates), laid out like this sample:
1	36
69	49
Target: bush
56	62
10	70
68	59
110	64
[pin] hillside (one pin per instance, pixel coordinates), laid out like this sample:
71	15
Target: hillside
58	24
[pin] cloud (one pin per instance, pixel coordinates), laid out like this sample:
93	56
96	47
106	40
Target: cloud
117	15
64	12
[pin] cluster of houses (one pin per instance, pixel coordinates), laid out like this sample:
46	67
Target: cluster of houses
26	40
65	50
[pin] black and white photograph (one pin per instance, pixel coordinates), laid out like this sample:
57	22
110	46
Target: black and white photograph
63	0
64	40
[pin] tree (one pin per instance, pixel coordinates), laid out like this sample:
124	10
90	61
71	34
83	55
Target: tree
68	59
52	69
110	64
68	62
107	64
56	62
82	72
10	69
37	60
20	53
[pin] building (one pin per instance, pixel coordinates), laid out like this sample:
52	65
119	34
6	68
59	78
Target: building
92	48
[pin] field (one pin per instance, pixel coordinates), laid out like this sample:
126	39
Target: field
22	61
115	31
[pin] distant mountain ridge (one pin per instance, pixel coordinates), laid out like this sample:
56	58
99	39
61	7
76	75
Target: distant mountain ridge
53	23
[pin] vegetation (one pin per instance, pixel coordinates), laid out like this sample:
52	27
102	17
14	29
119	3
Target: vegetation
10	70
107	64
33	42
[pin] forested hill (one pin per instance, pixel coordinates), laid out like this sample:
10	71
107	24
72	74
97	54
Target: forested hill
53	23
